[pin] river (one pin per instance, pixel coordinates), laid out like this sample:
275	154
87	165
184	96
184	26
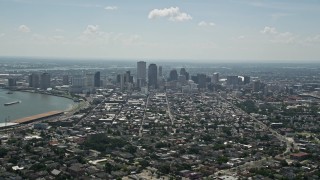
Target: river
31	104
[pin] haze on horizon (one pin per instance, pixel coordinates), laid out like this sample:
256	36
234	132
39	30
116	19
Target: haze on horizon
253	30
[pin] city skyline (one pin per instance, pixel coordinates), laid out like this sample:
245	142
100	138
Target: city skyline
229	31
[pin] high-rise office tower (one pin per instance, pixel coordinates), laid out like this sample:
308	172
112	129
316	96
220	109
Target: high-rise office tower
160	71
215	78
183	71
34	80
246	79
45	80
128	78
173	76
153	76
65	80
141	73
233	80
78	81
202	81
89	80
122	81
97	79
12	82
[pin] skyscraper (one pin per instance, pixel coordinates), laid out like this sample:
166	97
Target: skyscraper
45	80
78	81
183	72
202	81
215	78
65	80
153	76
12	82
233	80
122	81
141	73
97	79
160	71
34	80
173	76
89	80
246	79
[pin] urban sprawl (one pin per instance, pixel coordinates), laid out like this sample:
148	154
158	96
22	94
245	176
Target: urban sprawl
151	121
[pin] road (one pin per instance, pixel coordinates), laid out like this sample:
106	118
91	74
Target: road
144	116
290	144
169	111
288	141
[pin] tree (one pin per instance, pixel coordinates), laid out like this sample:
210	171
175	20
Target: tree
108	167
165	169
144	163
131	149
3	152
222	159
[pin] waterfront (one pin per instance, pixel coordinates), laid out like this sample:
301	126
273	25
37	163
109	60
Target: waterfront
31	104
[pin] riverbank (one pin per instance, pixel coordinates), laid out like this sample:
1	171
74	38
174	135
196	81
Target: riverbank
32	103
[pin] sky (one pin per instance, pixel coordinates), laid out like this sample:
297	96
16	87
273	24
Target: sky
197	30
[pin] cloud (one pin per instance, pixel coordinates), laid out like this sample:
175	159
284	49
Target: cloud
278	37
269	30
111	8
2	34
24	29
241	37
91	29
94	35
204	23
172	13
314	39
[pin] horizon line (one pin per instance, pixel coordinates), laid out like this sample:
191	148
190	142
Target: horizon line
177	60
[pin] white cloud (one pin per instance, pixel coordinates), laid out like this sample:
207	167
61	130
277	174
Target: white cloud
241	37
204	23
269	30
313	39
111	8
94	35
278	37
2	34
24	29
91	29
172	13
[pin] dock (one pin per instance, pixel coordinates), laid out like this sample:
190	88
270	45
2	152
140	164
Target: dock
33	118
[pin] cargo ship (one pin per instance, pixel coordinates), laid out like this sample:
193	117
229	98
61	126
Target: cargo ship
11	103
